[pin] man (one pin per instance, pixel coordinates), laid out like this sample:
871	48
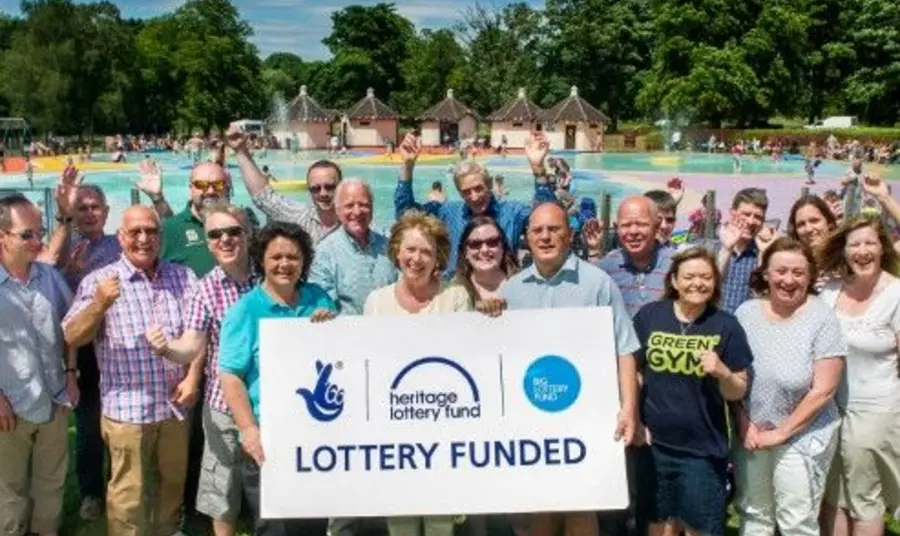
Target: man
738	249
475	187
667	208
95	250
640	264
219	489
143	398
352	261
350	264
35	387
322	179
559	279
183	239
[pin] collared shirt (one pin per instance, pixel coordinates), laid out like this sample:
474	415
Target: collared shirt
100	252
239	346
206	308
349	273
184	242
736	279
32	347
280	208
136	385
577	284
512	216
638	287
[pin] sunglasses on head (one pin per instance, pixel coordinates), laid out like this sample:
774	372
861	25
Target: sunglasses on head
475	245
218	186
316	188
233	232
138	231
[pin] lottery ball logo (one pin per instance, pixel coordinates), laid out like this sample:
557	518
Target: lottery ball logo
552	383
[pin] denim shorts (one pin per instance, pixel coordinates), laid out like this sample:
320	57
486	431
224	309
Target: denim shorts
691	489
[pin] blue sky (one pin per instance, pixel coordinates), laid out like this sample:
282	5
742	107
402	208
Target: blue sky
299	25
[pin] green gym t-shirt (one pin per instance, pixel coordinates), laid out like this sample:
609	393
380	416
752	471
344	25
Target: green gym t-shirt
184	242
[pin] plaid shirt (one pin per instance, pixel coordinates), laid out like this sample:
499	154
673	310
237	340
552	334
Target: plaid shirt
736	279
136	385
215	294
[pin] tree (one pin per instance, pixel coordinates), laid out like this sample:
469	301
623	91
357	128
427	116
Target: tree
436	63
873	88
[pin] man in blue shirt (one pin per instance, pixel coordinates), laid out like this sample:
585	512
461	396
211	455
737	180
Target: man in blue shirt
558	278
475	187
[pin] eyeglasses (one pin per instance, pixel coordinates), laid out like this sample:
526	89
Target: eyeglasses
233	232
316	188
475	245
30	234
217	186
151	232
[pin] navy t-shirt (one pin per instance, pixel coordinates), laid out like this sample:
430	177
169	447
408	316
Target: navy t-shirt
684	410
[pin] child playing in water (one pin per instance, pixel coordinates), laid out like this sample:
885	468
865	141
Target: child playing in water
811	163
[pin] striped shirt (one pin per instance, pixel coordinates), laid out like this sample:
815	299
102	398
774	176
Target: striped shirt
577	284
215	293
280	208
136	385
638	287
349	273
31	341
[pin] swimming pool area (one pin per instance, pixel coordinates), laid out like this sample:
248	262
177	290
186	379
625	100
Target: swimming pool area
618	174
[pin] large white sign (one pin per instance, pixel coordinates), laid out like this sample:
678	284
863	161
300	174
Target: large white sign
440	414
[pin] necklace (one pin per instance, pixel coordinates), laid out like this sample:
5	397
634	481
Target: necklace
685	327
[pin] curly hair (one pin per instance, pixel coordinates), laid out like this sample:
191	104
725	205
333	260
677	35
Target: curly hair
832	258
289	231
430	227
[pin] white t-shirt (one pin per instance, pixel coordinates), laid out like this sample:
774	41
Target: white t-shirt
450	299
871	381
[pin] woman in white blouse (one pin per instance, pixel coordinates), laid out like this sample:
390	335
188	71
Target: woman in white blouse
419	247
864	482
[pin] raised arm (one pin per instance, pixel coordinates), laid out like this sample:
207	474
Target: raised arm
93	299
404	199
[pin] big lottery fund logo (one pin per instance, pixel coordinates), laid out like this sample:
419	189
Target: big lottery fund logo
409	401
325	401
552	383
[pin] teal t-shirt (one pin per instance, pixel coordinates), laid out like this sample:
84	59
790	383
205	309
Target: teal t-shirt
239	339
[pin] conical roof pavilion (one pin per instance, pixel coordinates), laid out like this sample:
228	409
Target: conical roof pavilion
448	110
371	109
519	110
305	109
574	109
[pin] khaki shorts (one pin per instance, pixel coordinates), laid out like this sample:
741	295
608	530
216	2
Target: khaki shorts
219	490
865	475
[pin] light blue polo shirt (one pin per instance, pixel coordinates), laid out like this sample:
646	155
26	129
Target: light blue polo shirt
349	273
239	340
576	284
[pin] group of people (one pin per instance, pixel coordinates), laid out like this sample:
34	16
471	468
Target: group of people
777	354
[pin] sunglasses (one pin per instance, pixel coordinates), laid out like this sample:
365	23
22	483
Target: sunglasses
475	245
138	231
318	188
233	232
31	234
217	186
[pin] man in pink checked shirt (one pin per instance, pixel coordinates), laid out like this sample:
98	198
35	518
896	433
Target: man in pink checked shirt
142	396
220	487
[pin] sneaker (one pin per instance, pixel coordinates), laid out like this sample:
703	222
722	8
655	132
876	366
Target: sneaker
91	509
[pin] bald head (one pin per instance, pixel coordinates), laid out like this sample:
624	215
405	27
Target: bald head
138	212
208	171
548	213
637	224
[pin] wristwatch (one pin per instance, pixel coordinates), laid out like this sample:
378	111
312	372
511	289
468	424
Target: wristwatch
74	371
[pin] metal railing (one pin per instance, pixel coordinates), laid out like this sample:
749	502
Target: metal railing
45	199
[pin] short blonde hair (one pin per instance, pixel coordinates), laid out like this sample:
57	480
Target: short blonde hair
430	227
223	207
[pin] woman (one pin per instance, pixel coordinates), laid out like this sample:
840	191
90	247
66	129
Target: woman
282	253
694	359
485	261
811	221
788	421
419	247
864	482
